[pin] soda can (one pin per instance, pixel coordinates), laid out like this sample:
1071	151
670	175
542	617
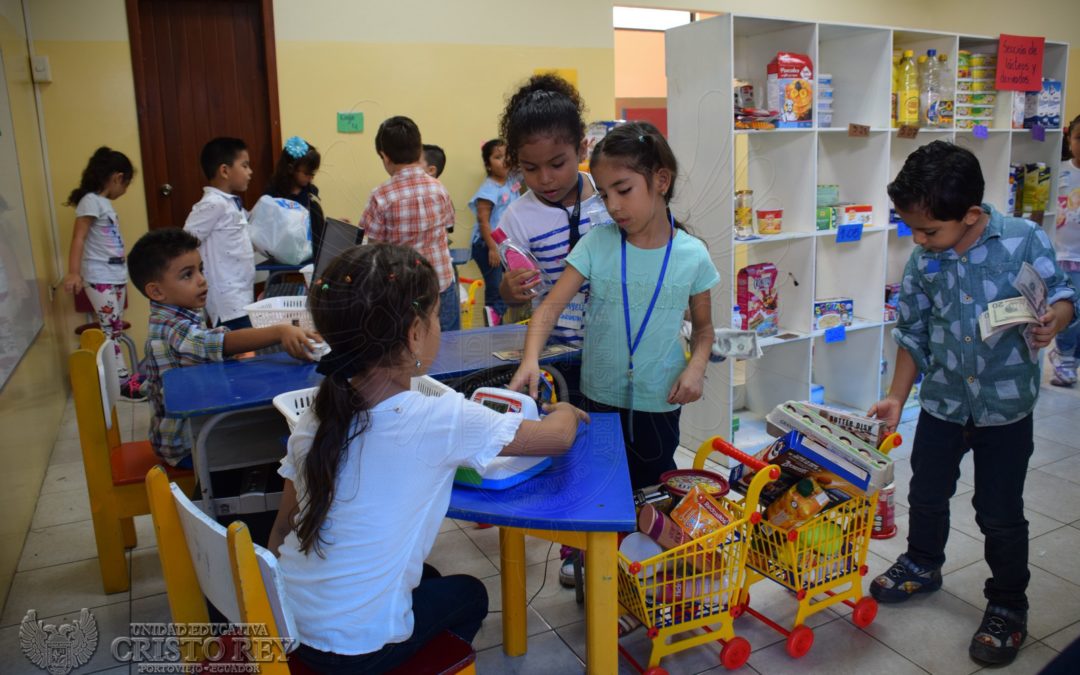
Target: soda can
885	515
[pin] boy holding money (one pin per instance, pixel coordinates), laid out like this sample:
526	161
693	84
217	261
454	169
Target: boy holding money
976	394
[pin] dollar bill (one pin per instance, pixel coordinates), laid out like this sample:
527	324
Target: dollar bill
740	344
1011	311
1032	287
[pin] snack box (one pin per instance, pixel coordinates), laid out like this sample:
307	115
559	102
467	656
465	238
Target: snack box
972	122
826	218
870	429
744	94
834	448
1043	107
1036	190
790	89
832	312
854	214
892	297
1017	107
757	297
793	468
968	98
828	195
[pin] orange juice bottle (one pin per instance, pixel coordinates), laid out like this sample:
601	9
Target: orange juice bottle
799	504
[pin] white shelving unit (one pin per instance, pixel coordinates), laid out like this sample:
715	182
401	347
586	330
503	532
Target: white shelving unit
783	167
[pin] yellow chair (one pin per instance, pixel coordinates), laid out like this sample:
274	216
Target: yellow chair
474	289
114	470
194	550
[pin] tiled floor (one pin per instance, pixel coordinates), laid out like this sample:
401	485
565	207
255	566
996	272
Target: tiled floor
58	574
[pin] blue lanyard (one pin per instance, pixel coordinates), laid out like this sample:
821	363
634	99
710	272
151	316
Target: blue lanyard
632	343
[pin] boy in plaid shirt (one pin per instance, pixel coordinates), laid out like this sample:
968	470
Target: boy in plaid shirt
166	267
413	209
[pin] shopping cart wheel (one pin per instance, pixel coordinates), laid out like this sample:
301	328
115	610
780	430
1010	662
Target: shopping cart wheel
799	641
655	670
735	653
865	612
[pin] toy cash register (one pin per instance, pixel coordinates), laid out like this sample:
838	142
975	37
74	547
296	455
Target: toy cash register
506	472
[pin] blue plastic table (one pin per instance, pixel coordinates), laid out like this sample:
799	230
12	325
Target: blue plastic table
583	499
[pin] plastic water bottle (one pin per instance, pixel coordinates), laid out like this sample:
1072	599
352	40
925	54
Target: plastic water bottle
516	257
930	91
947	100
907	112
736	318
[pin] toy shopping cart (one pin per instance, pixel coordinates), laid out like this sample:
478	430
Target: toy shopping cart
696	585
822	562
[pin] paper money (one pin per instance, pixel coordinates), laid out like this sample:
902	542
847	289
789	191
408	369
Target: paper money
728	343
1032	287
1011	311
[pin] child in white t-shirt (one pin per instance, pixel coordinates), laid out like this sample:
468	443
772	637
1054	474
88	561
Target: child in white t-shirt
370	468
220	222
96	261
1066	352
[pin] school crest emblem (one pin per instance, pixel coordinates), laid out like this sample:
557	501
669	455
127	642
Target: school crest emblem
58	649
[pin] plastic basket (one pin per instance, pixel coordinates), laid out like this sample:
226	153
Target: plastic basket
292	404
283	309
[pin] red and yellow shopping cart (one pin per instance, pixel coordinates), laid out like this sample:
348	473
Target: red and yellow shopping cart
697	585
821	561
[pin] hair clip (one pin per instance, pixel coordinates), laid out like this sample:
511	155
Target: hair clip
416	304
348	278
326	287
296	147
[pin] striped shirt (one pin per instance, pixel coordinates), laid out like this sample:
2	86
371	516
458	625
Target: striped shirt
413	209
177	337
545	231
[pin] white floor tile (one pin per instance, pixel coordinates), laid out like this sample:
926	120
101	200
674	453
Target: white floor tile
1064	637
57	508
1068	468
839	649
63	477
490	633
487	540
557	605
960	551
144	532
1060	428
1048	452
58	544
151	609
547	654
932	630
1057	552
454	553
1052	496
68	450
1032	658
146	578
57	589
962	518
1055	603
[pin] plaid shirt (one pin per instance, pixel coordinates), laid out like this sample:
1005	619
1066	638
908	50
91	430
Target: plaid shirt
177	337
413	209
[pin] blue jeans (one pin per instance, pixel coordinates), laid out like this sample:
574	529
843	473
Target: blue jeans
1001	463
450	308
457	603
1068	341
492	277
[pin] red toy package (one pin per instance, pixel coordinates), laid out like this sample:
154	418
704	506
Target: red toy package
757	298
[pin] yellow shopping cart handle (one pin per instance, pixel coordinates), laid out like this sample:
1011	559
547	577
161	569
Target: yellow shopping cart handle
891	441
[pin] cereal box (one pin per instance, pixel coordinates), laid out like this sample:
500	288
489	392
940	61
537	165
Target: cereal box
892	298
757	296
790	89
833	312
854	214
826	218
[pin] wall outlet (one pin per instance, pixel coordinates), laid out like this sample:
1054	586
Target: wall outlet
40	69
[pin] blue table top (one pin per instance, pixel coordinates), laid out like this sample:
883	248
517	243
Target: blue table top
587	489
213	388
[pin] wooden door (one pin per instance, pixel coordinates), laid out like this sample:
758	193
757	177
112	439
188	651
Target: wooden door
203	68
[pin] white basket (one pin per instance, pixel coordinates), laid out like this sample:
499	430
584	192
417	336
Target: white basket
283	309
292	404
308	271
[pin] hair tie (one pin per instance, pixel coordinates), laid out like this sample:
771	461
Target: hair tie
296	147
337	365
391	276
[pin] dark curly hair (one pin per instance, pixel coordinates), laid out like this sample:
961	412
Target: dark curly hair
940	179
546	105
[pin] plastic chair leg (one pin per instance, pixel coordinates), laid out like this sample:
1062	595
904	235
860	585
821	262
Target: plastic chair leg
133	353
127	526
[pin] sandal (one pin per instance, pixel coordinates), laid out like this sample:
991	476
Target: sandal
1000	635
903	580
628	623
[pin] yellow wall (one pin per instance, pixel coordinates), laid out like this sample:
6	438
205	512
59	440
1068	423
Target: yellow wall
639	64
32	400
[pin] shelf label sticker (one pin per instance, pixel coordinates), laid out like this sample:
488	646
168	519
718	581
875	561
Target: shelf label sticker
980	131
835	334
350	122
902	229
858	130
849	233
1020	63
1038	133
907	131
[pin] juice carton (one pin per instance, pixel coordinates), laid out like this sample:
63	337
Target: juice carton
790	89
1043	107
1036	194
757	296
800	503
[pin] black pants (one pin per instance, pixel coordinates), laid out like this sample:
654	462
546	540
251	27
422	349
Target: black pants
655	439
457	603
1001	462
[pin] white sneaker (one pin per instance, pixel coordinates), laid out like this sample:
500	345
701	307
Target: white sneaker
1064	369
566	570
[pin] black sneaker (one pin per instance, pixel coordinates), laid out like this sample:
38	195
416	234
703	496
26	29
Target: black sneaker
903	580
1000	635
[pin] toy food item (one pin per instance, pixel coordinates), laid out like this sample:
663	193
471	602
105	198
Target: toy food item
790	89
680	482
832	312
823	536
699	514
660	528
744	219
801	503
757	297
768	222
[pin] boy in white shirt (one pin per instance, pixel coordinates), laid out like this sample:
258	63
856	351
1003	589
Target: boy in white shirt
220	223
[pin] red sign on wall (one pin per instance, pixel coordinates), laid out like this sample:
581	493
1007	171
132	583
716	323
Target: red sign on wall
1020	63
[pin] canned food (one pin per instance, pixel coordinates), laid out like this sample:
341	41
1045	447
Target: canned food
885	514
969	98
980	60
